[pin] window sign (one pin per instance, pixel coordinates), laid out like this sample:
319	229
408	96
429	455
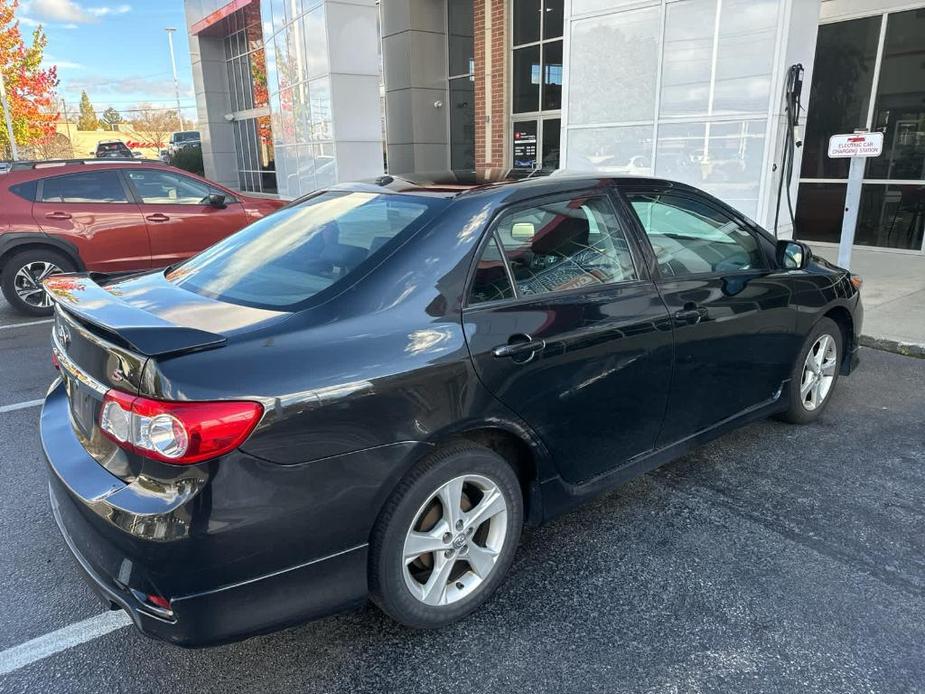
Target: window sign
525	145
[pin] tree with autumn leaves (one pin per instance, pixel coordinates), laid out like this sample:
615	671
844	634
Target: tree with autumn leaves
30	88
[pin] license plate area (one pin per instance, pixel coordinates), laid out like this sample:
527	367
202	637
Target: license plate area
84	403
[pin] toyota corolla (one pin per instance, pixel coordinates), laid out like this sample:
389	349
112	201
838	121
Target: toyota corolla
369	393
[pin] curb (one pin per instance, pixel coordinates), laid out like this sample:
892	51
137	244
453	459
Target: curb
908	349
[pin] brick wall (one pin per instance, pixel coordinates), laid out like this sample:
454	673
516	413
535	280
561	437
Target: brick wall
490	124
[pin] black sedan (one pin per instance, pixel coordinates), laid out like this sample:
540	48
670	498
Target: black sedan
368	393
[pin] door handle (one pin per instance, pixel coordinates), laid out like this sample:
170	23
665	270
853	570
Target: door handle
689	315
57	215
157	217
519	345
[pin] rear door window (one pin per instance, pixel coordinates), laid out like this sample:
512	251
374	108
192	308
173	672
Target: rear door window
491	281
565	244
91	186
282	261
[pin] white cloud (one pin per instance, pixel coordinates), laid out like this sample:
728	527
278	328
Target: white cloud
67	11
151	88
49	61
104	11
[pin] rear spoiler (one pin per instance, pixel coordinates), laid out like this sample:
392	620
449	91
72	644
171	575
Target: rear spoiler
145	333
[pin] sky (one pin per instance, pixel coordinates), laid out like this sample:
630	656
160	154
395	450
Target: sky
115	51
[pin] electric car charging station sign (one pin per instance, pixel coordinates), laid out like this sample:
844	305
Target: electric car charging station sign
857	146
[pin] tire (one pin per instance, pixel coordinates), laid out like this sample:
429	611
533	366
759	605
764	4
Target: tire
409	591
36	263
809	395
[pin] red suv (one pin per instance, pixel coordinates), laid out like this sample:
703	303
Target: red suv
107	216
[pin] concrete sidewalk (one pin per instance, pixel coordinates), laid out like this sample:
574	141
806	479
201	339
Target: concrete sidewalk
893	295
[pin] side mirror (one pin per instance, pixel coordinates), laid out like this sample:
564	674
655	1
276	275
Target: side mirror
793	255
217	200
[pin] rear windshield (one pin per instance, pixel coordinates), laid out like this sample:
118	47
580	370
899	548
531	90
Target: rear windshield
189	136
282	261
112	147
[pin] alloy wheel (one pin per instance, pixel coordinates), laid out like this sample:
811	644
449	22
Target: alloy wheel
455	539
819	371
27	282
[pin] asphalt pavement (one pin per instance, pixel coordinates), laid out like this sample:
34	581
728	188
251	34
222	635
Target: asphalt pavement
778	558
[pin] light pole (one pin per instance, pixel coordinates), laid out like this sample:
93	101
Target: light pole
176	83
9	119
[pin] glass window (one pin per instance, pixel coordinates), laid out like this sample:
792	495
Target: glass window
613	67
526	79
690	236
459	37
820	209
552	19
565	245
462	123
526	21
491	281
282	261
97	186
899	110
551	134
552	76
165	188
891	216
842	77
25	190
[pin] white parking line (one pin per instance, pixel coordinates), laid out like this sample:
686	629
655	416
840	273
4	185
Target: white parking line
73	635
23	325
20	405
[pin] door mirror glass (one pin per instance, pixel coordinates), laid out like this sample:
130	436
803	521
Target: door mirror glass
793	255
217	200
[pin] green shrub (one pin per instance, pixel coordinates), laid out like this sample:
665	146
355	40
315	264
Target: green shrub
188	159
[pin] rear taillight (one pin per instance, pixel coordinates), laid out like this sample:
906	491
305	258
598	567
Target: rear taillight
177	432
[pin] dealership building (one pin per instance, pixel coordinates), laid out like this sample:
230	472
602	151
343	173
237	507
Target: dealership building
294	95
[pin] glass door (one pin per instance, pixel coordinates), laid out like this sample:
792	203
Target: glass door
869	73
536	83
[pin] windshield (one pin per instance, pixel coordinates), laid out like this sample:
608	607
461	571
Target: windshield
282	261
189	136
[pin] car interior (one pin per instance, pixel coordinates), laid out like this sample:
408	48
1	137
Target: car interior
555	247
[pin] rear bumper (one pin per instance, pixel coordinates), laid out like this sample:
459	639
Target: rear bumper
242	555
230	613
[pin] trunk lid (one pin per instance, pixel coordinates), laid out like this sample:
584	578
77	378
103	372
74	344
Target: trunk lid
106	332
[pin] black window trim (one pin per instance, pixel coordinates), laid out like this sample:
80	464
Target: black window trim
40	190
491	231
760	236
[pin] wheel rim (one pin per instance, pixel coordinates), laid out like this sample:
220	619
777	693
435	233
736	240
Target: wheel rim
27	282
819	371
455	540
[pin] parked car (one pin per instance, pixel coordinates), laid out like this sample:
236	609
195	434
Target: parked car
182	140
112	149
368	393
107	216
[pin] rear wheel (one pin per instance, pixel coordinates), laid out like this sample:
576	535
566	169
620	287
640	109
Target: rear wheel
447	537
815	373
22	276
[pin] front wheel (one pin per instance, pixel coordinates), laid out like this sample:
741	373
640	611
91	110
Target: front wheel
815	373
447	537
22	277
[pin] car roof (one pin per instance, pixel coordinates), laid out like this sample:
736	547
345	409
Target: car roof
453	184
34	169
